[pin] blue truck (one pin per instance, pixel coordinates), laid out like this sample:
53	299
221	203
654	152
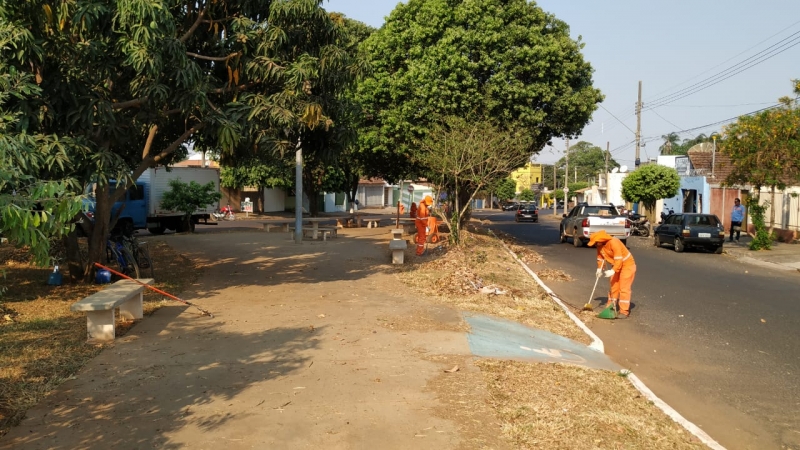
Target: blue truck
142	202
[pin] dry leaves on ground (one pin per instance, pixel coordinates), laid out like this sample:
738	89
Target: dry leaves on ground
44	343
553	275
556	406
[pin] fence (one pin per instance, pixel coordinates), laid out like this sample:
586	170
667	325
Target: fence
786	205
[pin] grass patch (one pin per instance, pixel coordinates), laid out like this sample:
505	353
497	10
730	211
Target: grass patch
456	275
558	406
42	342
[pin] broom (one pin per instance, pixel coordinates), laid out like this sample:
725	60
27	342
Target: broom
588	306
185	302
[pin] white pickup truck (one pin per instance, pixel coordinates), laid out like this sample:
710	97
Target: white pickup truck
585	219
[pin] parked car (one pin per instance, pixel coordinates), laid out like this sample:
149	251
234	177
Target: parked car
685	230
527	213
511	207
585	219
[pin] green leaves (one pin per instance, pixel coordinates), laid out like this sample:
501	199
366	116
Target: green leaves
189	197
650	183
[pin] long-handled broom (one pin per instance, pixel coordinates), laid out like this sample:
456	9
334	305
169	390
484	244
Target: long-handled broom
185	302
588	306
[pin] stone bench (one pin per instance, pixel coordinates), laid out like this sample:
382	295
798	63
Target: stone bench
278	223
325	232
99	307
398	247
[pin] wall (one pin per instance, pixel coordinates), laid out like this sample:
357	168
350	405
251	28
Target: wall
787	211
526	176
722	204
235	197
690	183
614	191
274	200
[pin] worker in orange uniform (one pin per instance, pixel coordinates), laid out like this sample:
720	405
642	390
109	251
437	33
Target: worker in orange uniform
623	269
422	223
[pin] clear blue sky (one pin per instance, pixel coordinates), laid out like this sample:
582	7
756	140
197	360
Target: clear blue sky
669	46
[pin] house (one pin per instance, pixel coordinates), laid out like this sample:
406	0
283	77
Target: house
528	177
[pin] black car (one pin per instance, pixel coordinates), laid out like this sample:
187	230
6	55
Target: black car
527	213
512	207
684	230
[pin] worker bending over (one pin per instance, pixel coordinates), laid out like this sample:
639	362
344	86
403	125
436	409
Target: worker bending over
623	269
422	223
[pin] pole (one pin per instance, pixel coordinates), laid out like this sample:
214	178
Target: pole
576	174
566	179
555	187
298	190
638	124
608	145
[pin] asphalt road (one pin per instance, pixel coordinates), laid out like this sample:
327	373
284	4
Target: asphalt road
714	337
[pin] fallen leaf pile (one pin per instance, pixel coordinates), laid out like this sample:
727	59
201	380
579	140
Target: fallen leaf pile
553	275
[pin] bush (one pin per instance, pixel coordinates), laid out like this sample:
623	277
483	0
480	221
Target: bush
762	239
188	198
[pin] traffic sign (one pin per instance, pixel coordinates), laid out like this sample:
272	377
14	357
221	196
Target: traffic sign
565	190
410	188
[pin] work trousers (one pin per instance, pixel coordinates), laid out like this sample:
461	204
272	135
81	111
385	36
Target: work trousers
621	283
422	234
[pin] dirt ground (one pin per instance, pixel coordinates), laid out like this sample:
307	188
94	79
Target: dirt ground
328	345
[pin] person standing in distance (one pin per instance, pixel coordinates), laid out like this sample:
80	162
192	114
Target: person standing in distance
737	217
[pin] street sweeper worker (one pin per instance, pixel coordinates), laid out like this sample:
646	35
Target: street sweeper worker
623	269
422	223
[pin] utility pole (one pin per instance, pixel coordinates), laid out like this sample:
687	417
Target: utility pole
608	145
566	179
638	124
555	187
576	175
298	189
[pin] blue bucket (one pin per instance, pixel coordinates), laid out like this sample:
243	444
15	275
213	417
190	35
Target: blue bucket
102	277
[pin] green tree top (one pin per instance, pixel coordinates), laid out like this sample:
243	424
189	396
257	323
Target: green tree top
650	183
499	61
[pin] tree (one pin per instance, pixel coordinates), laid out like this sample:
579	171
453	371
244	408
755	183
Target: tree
506	189
505	63
527	195
135	82
37	203
188	198
587	160
650	183
471	155
671	143
765	148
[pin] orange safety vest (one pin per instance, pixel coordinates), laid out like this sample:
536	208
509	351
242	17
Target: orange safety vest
614	253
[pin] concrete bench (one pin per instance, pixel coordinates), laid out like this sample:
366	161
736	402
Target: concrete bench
397	233
282	224
325	232
99	307
398	248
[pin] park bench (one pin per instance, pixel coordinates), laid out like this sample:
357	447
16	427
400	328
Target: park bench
283	224
99	307
325	232
398	246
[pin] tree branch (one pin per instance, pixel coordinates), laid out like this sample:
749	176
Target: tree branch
214	58
129	104
241	87
149	143
151	160
194	26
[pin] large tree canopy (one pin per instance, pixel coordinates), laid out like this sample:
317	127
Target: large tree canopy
508	63
586	160
134	81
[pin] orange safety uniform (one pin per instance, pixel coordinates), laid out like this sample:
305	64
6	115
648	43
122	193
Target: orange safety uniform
422	223
612	251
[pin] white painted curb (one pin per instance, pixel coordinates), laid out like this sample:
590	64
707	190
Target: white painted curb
597	344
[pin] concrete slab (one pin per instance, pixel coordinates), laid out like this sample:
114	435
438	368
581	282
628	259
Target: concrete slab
497	338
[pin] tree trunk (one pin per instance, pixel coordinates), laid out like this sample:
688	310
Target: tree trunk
75	268
772	210
99	234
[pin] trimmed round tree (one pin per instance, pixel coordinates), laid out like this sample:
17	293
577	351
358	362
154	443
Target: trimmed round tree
651	183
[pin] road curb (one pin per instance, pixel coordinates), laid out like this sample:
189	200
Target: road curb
597	345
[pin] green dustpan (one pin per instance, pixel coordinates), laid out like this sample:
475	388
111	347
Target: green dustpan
608	313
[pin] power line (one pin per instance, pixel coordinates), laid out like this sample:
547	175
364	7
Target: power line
732	57
612	115
721	121
662	118
736	69
719	106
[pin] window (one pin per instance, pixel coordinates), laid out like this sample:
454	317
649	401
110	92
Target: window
136	192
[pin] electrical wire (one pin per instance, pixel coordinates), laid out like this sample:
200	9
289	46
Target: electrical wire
662	118
729	59
727	73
